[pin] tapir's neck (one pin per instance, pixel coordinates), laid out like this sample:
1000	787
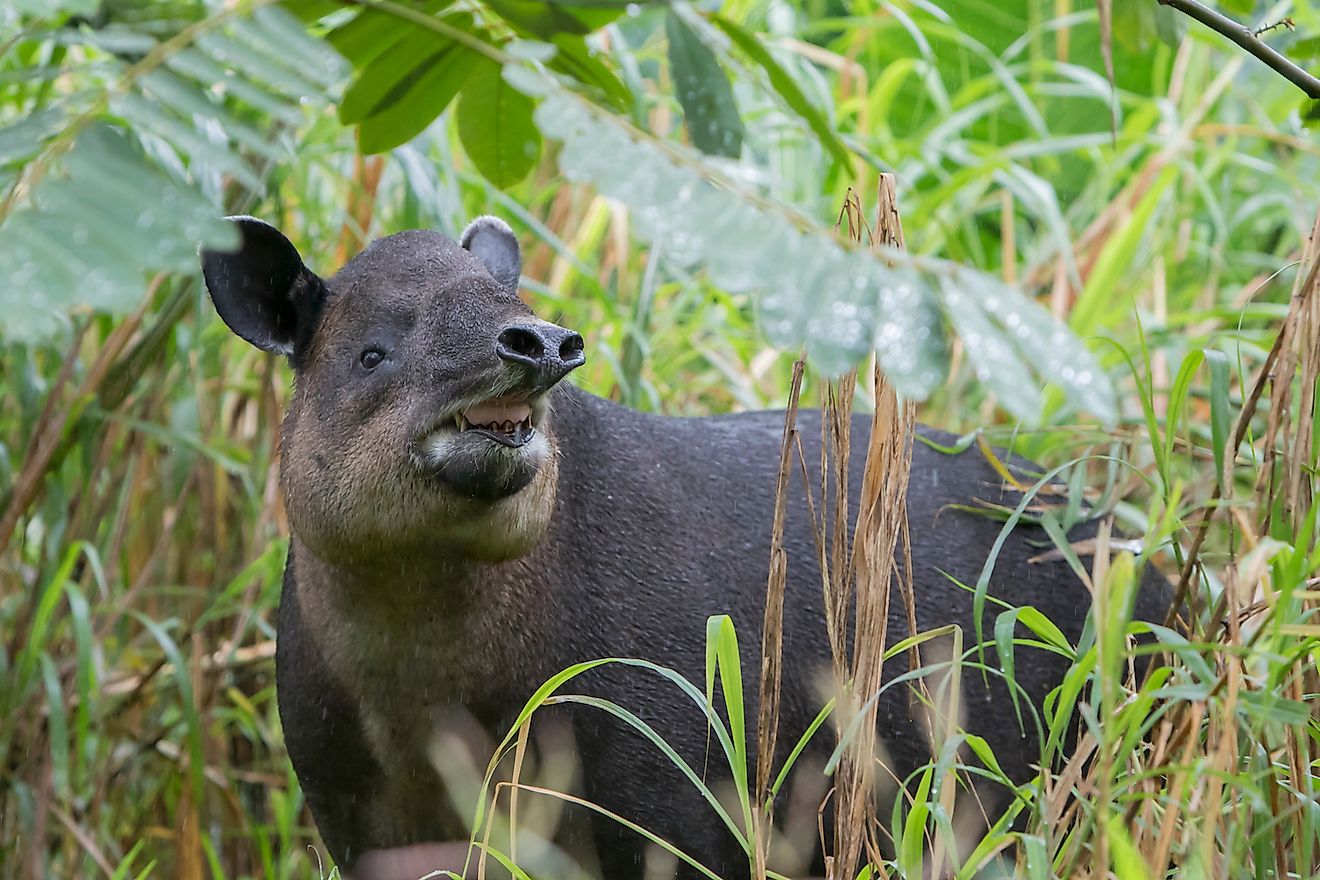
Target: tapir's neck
456	620
441	587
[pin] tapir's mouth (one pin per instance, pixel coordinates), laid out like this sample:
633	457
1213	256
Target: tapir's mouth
506	420
487	448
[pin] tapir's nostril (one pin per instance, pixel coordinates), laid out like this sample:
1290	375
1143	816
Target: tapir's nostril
571	348
522	342
544	351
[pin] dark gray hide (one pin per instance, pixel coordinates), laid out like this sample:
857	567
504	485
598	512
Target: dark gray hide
434	570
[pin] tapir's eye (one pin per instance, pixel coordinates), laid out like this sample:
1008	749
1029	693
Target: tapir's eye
371	358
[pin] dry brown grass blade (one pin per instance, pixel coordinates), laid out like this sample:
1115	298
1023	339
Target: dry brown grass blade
46	441
361	206
1297	341
1289	437
772	641
869	567
852	779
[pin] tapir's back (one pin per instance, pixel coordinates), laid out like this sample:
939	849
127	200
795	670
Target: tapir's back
668	521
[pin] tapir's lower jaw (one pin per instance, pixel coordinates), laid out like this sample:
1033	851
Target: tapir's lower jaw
480	465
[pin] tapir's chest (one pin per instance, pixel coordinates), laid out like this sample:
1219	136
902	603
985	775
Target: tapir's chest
406	672
416	665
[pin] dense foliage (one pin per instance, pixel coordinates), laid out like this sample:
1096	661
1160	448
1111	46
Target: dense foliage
1113	277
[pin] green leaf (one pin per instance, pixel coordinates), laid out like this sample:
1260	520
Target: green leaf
495	125
704	91
374	31
400	94
407	74
575	59
1305	49
25	136
786	86
1004	625
992	352
914	827
311	10
548	19
674	758
1104	295
103	218
1127	861
1177	400
840	304
1170	26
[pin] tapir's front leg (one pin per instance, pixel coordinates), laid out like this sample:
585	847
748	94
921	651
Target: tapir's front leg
376	826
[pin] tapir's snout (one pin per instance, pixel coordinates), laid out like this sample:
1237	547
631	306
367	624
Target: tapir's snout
545	351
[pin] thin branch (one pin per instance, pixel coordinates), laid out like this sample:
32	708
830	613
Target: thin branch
1243	36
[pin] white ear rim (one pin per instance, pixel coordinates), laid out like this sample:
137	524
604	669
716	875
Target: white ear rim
493	242
483	223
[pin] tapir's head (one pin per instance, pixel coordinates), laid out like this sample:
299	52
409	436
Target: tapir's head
420	418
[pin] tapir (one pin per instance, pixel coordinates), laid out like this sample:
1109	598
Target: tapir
465	524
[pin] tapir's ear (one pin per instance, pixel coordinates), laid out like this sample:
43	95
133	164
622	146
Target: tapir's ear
262	290
492	241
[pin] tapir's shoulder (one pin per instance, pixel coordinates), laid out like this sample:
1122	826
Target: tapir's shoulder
747	445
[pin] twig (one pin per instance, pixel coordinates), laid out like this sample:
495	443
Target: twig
1281	23
1247	39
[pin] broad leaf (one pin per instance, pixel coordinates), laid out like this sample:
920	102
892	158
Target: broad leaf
402	92
373	32
496	127
704	90
396	76
101	222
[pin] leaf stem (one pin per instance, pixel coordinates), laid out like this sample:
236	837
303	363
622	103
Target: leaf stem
1244	37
